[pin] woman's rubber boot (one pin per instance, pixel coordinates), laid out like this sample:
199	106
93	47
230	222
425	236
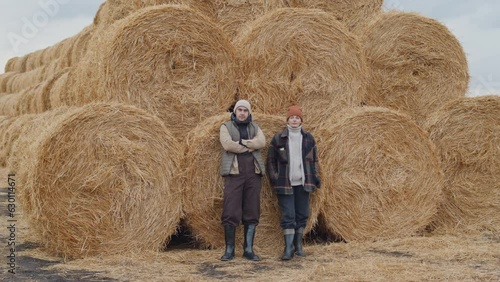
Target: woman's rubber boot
297	242
229	233
289	248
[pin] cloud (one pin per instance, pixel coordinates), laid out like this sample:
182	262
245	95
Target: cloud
27	26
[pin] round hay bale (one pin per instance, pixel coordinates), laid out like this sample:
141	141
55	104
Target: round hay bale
37	105
4	80
8	104
26	97
204	187
34	60
102	12
24	80
381	174
416	64
112	168
301	56
10	135
80	45
19	64
66	51
56	93
9	66
180	70
23	150
351	13
233	15
52	67
466	132
55	90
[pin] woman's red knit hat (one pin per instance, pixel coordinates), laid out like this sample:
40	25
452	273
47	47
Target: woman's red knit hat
294	111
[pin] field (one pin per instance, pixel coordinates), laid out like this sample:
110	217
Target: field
438	257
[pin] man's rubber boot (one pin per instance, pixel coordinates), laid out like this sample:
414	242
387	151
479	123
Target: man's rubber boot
229	234
248	244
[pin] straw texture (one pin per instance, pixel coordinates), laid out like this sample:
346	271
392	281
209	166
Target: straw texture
112	168
467	134
381	174
416	64
301	56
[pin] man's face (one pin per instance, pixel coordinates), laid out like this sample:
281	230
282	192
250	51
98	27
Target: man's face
294	121
241	113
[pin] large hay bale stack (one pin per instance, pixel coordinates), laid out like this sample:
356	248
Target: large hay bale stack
301	56
353	13
204	187
467	134
169	60
112	168
381	174
416	64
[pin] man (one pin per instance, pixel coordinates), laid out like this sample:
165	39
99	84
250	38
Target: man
242	168
292	166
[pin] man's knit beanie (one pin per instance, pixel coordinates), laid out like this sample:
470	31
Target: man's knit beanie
243	103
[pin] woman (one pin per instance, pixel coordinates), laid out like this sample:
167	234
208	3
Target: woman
292	166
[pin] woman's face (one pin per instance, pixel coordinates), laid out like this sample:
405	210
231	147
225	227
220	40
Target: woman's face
294	121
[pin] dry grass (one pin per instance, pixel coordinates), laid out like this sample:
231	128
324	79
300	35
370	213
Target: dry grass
301	56
437	258
416	63
381	175
467	134
204	187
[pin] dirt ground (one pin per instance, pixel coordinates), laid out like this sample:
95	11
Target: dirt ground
432	257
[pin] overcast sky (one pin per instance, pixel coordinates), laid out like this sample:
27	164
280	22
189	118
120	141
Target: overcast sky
30	25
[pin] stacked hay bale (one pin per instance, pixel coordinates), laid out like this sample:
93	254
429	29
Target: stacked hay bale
301	56
467	134
9	135
41	97
180	70
203	186
115	184
381	175
416	64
